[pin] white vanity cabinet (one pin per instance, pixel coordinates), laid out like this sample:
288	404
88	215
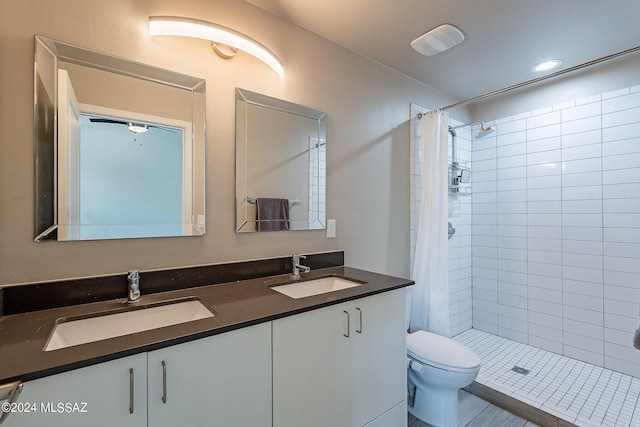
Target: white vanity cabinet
222	380
342	366
109	394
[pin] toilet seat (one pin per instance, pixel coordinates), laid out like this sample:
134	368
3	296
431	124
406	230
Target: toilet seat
441	352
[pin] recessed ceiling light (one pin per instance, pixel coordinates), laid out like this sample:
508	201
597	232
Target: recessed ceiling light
547	65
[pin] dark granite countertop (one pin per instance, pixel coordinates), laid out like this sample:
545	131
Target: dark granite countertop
236	305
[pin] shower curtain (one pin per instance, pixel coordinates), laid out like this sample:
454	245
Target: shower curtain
430	295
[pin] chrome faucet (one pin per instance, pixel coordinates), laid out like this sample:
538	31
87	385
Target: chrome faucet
133	279
297	267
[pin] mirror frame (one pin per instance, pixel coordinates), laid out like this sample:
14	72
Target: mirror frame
245	98
48	54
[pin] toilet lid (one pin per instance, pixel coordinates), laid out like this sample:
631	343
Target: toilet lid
440	351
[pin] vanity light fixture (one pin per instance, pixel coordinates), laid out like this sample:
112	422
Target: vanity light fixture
188	27
546	65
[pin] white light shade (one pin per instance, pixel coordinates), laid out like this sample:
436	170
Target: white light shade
546	65
187	27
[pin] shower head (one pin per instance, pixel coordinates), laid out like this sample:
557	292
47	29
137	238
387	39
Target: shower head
484	131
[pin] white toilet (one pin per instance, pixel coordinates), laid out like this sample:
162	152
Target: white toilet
438	368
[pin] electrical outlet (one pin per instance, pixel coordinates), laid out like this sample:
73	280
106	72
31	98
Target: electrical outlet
331	229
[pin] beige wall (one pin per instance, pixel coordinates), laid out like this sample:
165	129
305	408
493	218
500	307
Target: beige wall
368	136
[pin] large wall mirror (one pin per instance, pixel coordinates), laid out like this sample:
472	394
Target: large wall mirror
119	147
280	165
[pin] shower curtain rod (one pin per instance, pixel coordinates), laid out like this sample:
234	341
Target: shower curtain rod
539	79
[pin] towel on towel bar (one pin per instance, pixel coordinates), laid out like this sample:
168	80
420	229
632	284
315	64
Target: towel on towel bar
272	214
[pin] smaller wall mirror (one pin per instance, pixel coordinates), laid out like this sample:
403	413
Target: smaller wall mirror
280	165
119	147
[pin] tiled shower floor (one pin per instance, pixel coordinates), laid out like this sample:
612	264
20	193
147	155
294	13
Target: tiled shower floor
575	391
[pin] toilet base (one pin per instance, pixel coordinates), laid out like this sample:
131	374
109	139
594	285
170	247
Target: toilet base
436	406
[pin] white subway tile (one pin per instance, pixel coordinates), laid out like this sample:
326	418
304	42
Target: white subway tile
547	119
512	231
512	161
513	208
582	111
486	300
614	94
540	111
582	260
544	170
544	181
621	278
622	235
511	173
512	184
628	265
621	308
512	150
546	333
615	336
546	144
544	257
621	293
511	265
589	100
621	132
582	193
511	127
512	277
543	132
511	138
629	368
586	247
582	233
583	274
577	166
545	157
544	319
581	206
551	219
547	270
594	344
582	152
544	232
584	355
485	230
621	220
582	315
621	191
545	282
581	179
521	115
545	207
621	323
486	284
483	165
583	288
620	103
564	105
477	176
483	154
622	117
551	245
621	205
582	138
512	242
582	220
484	187
485	219
544	194
513	254
581	125
511	196
483	208
545	344
625	146
484	197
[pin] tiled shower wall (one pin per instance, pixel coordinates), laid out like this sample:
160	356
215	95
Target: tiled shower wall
459	250
556	229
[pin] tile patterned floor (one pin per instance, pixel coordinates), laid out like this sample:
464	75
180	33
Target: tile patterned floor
578	392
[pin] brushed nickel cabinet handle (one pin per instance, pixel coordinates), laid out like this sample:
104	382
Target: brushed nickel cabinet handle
164	382
346	335
131	407
359	330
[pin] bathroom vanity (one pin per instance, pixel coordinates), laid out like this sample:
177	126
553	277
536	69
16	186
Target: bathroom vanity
263	359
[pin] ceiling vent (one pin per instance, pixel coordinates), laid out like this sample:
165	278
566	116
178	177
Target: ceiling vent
438	40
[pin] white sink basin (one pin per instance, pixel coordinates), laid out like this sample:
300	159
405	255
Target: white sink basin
82	331
309	288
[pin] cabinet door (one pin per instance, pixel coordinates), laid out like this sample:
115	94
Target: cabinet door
378	373
223	380
311	369
98	395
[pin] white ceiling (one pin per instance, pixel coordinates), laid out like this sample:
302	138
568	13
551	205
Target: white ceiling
504	39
